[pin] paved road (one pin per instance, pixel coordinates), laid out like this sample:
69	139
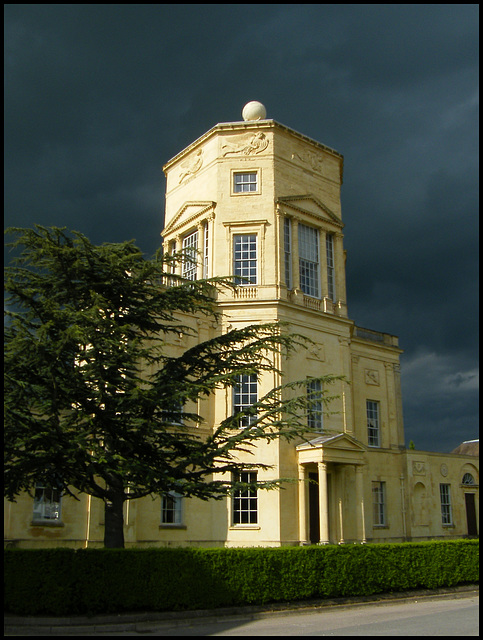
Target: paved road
455	617
451	615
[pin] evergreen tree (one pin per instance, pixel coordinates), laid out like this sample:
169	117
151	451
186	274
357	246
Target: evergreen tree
94	397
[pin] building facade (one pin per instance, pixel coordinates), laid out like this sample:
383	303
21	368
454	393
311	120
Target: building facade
260	201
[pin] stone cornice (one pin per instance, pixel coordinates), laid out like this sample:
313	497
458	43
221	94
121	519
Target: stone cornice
251	126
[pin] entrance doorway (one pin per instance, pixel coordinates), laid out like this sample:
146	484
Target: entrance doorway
314	522
314	509
471	514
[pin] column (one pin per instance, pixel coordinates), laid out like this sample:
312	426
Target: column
210	228
303	537
361	525
295	255
280	278
323	504
341	522
339	263
201	251
347	388
324	288
178	248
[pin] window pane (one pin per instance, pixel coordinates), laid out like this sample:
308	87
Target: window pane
308	238
446	515
245	182
171	509
245	501
315	409
378	503
245	259
190	251
46	503
245	395
373	431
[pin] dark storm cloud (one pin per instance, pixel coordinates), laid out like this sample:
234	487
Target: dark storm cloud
99	97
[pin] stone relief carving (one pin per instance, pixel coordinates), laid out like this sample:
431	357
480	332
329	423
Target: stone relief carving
419	468
309	158
316	352
371	377
248	146
191	166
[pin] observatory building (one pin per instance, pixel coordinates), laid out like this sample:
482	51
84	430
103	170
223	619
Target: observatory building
258	200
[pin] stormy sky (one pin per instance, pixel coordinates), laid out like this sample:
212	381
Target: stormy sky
99	97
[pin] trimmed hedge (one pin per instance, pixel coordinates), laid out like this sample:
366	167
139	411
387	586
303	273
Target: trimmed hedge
67	582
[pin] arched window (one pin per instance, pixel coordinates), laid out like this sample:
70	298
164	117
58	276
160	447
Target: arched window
468	479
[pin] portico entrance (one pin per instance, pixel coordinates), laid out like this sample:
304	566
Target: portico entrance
331	503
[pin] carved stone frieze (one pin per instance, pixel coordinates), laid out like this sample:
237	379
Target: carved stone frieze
371	377
310	159
316	351
246	146
191	166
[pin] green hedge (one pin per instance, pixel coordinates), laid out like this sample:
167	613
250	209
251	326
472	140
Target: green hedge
68	582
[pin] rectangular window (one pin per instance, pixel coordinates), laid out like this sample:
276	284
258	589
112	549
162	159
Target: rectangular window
245	182
245	395
373	431
171	508
287	242
190	256
329	243
379	503
245	501
245	259
446	511
308	238
46	503
173	413
315	406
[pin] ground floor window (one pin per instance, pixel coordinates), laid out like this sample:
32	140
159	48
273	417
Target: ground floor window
446	512
245	501
379	504
47	503
171	509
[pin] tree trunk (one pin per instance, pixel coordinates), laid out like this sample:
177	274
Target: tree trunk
114	522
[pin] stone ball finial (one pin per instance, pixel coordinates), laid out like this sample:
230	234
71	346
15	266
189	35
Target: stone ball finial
254	111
